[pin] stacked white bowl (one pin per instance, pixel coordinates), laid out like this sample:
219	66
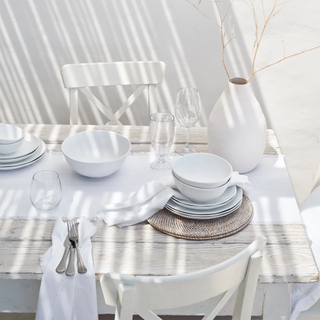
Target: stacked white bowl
11	138
202	176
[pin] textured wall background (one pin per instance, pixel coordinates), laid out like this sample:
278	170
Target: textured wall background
37	37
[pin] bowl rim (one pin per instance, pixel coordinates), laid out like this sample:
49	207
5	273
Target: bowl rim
11	141
13	144
204	184
98	162
199	188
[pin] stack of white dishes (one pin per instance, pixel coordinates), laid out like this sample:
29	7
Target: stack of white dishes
204	179
18	149
225	204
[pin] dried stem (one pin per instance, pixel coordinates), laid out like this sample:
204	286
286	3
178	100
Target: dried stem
203	13
260	37
222	34
284	58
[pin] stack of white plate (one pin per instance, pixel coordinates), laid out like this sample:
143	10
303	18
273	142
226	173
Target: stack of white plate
225	204
31	150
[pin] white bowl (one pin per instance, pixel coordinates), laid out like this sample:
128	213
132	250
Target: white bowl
96	154
11	148
202	170
10	134
200	194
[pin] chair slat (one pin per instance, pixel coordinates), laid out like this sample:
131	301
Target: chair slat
106	111
129	102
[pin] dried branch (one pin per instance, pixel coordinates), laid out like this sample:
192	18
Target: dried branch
284	58
203	12
260	38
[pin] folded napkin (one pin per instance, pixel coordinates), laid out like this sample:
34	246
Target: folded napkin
62	297
304	296
150	198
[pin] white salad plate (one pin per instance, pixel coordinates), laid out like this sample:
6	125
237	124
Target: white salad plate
227	206
206	216
34	157
29	145
227	196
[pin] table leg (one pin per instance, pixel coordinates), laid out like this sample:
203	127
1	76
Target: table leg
276	302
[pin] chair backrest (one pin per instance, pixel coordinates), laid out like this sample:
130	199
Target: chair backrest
84	75
141	294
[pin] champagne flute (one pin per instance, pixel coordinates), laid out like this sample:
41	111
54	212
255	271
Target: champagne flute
187	112
161	130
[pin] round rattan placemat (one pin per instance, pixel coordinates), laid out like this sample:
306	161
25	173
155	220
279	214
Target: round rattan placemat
192	229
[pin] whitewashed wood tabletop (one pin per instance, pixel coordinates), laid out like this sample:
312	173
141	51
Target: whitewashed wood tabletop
143	250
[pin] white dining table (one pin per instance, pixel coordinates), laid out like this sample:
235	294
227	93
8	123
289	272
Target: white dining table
142	250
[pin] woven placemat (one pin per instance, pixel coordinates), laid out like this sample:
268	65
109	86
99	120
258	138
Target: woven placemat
192	229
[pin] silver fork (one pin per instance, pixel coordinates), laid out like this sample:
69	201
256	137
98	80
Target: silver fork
73	236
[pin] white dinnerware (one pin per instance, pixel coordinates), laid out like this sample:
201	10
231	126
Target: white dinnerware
11	147
25	161
226	197
96	154
45	190
202	170
187	112
200	194
213	213
30	144
10	134
234	201
161	131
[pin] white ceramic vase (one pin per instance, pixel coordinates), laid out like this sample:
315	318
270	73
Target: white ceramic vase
237	128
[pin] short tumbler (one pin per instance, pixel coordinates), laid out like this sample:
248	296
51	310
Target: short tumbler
45	191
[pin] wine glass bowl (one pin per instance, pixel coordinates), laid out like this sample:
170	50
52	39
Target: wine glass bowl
161	131
187	112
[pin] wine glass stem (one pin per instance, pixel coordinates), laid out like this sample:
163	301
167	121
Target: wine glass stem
161	159
187	144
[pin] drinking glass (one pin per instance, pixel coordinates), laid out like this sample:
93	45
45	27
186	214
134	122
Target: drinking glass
45	190
161	130
187	112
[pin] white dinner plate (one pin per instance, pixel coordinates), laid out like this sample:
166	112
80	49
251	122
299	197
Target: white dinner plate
34	157
29	145
207	216
224	198
222	208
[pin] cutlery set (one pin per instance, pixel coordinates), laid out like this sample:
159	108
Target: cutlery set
71	245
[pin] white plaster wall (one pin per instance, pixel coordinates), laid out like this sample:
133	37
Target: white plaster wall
37	37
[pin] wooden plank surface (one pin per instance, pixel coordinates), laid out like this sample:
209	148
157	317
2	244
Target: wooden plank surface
143	250
54	135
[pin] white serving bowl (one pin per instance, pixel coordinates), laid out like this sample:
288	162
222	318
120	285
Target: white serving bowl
10	134
202	170
11	148
96	154
200	194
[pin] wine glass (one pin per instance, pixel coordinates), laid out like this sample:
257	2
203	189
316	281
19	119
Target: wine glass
45	190
187	112
161	130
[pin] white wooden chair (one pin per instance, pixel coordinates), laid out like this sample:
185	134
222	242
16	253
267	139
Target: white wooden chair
85	75
141	294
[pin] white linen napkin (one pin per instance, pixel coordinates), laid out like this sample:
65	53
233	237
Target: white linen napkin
304	296
150	198
68	297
